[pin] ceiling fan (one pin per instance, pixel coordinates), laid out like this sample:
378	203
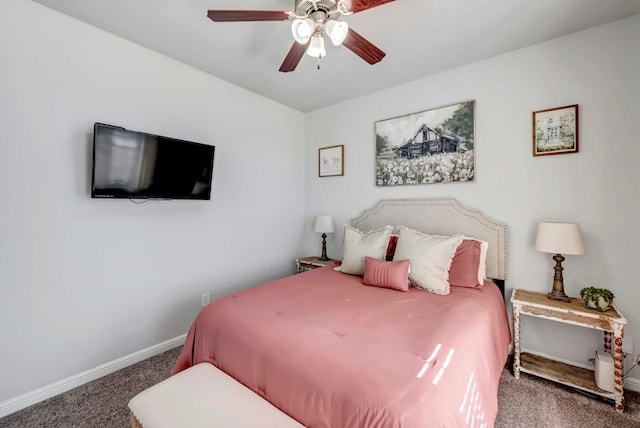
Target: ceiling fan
311	19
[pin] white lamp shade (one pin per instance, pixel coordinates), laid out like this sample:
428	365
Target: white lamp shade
324	224
560	238
302	29
337	31
316	47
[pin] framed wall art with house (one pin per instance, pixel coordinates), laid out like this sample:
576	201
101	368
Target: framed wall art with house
555	131
432	146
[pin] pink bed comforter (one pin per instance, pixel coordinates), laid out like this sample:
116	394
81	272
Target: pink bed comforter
331	352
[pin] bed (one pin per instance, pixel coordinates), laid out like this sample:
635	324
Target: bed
331	352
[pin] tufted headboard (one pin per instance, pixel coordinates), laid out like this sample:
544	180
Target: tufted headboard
442	216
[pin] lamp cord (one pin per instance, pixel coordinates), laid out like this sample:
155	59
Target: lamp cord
635	365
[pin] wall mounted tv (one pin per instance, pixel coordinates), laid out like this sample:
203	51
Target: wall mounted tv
137	165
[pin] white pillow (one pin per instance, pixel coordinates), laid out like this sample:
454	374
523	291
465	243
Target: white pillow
430	258
357	245
482	266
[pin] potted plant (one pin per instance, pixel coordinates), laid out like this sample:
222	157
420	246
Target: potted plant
597	298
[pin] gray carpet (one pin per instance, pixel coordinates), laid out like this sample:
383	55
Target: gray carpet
528	402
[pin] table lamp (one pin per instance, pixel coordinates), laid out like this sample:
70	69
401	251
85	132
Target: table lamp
324	225
558	239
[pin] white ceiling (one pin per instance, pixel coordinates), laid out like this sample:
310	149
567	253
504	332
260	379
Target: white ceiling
420	37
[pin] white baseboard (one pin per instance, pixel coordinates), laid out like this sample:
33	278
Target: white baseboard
631	383
27	399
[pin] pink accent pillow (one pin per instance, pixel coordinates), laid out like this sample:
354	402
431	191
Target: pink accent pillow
391	248
380	273
464	266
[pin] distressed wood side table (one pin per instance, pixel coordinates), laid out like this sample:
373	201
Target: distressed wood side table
612	323
304	264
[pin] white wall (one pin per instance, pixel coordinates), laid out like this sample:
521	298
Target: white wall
85	281
597	187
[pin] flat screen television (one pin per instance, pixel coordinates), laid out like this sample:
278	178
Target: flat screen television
136	165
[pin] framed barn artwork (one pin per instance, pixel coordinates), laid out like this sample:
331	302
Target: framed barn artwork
431	146
331	161
555	131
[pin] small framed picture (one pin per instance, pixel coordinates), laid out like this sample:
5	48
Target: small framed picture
331	161
555	131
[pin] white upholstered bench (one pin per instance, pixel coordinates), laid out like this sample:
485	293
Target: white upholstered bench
204	396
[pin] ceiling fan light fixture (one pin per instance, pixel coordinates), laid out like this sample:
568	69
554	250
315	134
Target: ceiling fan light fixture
302	29
316	47
337	31
310	21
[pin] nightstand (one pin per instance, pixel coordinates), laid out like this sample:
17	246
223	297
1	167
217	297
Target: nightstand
611	322
307	263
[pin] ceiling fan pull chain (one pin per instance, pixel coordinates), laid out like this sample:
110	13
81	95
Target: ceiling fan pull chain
318	66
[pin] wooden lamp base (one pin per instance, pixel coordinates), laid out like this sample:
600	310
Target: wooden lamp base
557	293
324	257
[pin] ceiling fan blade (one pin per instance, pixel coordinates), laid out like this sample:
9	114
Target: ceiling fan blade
360	5
363	47
293	57
247	15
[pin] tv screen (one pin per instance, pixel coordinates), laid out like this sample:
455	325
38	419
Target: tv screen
137	165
